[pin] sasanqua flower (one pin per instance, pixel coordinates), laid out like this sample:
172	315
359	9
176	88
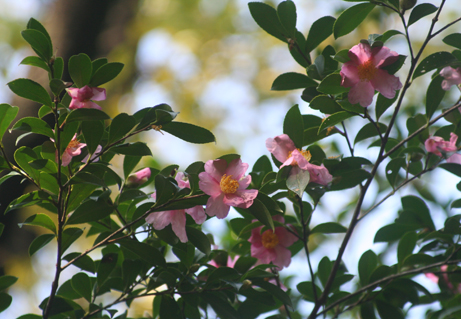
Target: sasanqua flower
140	177
177	218
440	147
226	185
451	77
73	149
84	97
271	246
364	73
285	151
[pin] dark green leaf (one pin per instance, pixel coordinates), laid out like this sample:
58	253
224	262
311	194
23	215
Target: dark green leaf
370	130
106	73
7	115
42	220
383	103
92	132
387	310
452	168
266	17
388	34
329	228
29	199
419	208
35	61
453	39
320	30
121	125
57	86
274	291
144	251
394	67
331	84
31	90
169	308
350	18
293	126
80	69
5	301
133	149
39	43
129	163
6	281
40	242
2	227
85	262
434	95
223	273
58	306
406	246
286	11
342	56
82	284
306	288
86	115
90	211
58	67
349	179
420	11
260	212
69	235
292	81
334	119
221	306
35	125
34	24
392	232
433	61
367	264
198	239
189	132
325	104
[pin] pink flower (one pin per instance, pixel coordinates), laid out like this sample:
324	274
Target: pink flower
437	145
364	73
140	177
447	281
285	151
230	262
177	218
73	149
452	77
226	185
81	98
272	246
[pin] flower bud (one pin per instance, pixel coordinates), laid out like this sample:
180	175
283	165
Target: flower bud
139	178
246	284
194	268
407	4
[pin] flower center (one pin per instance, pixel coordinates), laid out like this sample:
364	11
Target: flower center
269	239
366	71
73	143
228	184
307	155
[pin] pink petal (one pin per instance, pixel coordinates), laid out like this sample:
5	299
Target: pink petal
236	169
286	239
361	93
385	83
197	213
349	74
433	143
178	224
432	277
159	220
209	185
300	159
73	92
182	180
216	207
255	238
319	174
76	104
216	168
99	94
280	146
360	53
241	198
244	182
455	158
91	105
452	77
383	56
282	256
66	159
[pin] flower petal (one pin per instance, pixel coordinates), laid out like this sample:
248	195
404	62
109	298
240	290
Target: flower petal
282	256
216	168
209	185
159	220
361	93
99	94
385	83
349	74
197	213
178	224
280	146
216	207
236	169
383	56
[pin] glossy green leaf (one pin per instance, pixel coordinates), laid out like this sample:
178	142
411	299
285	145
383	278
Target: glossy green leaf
198	239
57	86
31	90
40	242
392	232
297	51
23	156
84	262
320	30
28	199
260	212
292	81
106	266
406	246
92	132
306	288
80	69
387	310
7	115
169	308
86	115
189	132
129	163
293	126
286	12
325	104
420	11
342	56
329	228
434	95
35	61
388	34
420	210
90	211
224	274
297	180
121	125
331	84
367	311
144	251
42	220
39	43
69	235
34	24
311	135
433	61
106	73
418	260
367	264
452	168
34	125
82	284
7	281
275	291
221	306
393	169
133	149
383	103
454	40
5	301
349	179
58	67
370	130
350	18
334	119
266	17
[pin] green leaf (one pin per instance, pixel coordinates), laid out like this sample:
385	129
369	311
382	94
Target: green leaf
80	69
224	274
57	86
121	125
7	281
29	199
34	24
42	220
392	232
82	284
393	169
419	208
306	288
34	125
169	308
98	63
297	180
133	149
7	115
39	43
453	39
329	228
2	227
383	103
260	212
106	73
388	34
189	132
23	156
369	130
286	12
266	17
129	163
320	30
40	242
350	19
394	67
452	168
274	291
331	84
69	235
221	306
198	239
433	61
31	90
406	246
5	301
86	115
90	211
58	67
293	126
420	11
93	133
334	119
292	81
35	61
59	305
367	264
349	179
85	262
434	95
144	251
386	310
342	56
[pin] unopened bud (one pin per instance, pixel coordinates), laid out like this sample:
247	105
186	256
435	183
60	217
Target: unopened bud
194	268
246	284
415	157
407	4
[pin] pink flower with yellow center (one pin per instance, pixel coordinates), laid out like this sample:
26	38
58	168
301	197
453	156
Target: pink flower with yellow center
364	73
451	77
271	246
84	97
226	185
438	145
73	149
285	151
140	177
177	218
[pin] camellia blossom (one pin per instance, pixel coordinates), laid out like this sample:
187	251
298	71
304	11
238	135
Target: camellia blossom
73	149
177	218
84	97
437	145
140	177
226	185
364	73
271	246
451	77
285	151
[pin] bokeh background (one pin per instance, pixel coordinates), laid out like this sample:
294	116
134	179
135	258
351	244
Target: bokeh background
210	61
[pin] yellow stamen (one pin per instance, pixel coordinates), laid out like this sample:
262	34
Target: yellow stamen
269	239
307	155
366	71
73	143
228	184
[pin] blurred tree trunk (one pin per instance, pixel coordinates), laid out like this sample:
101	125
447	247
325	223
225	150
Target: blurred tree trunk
75	26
